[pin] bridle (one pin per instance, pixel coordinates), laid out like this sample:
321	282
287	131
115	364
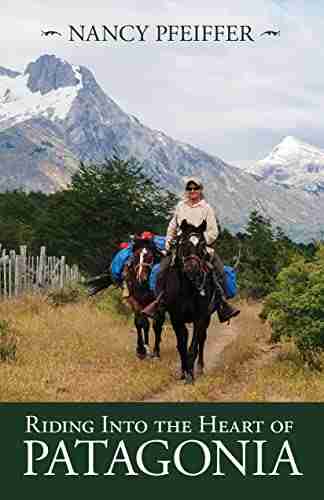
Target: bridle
142	264
195	239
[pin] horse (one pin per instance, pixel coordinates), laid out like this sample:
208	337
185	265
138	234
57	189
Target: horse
190	296
136	275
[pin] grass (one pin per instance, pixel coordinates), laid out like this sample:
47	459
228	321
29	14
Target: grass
77	353
85	351
286	379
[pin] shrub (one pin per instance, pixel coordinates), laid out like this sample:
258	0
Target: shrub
113	302
66	295
8	342
296	308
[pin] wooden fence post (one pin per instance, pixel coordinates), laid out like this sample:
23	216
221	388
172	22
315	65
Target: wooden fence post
4	265
21	273
12	261
62	271
16	275
41	266
23	266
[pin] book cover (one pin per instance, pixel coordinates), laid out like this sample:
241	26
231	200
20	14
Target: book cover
107	110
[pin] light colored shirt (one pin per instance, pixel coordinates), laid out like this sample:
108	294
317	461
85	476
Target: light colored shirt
195	215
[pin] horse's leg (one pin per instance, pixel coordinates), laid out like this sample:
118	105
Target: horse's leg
201	344
157	326
192	354
146	329
182	345
140	349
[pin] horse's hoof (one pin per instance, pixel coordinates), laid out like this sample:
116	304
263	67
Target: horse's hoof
199	371
156	356
148	351
189	379
180	375
141	355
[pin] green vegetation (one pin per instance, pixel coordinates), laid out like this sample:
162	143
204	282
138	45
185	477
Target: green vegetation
296	308
288	277
70	294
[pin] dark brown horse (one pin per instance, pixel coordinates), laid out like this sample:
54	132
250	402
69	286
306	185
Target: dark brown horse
190	296
136	275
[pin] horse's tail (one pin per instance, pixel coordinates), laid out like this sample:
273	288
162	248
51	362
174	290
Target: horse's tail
99	283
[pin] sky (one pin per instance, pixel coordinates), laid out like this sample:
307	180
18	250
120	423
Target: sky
233	100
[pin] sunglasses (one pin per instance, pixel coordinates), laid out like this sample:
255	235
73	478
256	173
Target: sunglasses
193	188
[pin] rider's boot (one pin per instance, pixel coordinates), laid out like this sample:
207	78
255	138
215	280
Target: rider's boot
154	306
225	311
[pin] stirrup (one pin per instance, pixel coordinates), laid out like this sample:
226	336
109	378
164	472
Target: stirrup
226	312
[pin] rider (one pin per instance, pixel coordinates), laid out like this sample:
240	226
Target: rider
195	210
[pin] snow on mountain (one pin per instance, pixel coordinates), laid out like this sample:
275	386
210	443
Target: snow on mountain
293	163
55	114
23	98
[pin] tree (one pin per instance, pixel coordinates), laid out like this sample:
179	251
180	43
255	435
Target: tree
19	212
104	205
228	246
258	261
265	252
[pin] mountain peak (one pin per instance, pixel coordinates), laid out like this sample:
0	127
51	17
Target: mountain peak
290	140
294	163
292	149
49	72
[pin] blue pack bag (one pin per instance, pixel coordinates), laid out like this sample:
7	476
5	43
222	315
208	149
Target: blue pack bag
118	263
231	281
153	277
159	242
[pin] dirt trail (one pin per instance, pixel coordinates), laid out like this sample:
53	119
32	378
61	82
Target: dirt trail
219	337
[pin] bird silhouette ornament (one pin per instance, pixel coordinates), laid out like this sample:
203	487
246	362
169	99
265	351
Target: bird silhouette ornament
51	33
271	33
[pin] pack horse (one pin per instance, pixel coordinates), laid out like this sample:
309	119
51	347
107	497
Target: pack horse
139	294
134	268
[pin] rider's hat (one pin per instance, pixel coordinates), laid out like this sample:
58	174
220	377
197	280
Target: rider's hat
193	180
